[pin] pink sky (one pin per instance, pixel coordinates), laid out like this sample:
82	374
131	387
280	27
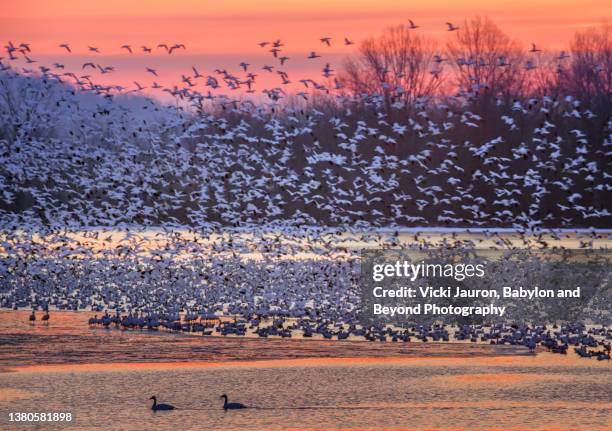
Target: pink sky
222	34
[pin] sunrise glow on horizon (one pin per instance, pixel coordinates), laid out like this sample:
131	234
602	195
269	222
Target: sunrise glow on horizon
224	34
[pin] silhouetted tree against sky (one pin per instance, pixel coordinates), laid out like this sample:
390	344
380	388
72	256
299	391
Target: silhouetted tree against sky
398	64
590	74
486	60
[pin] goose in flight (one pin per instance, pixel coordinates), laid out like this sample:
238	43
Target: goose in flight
88	64
231	406
503	62
10	47
327	71
140	87
326	40
263	44
128	47
156	407
93	49
563	55
187	80
412	25
151	71
176	46
438	58
66	47
244	65
196	74
146	49
451	27
313	55
347	41
534	48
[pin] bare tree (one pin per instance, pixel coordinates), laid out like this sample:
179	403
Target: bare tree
398	64
486	59
544	79
590	73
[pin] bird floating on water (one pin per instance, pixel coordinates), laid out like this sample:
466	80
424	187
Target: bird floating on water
231	406
158	407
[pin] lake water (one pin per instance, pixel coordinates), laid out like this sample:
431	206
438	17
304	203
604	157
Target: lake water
539	393
105	378
289	384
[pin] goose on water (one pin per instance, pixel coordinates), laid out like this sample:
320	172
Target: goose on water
155	407
231	406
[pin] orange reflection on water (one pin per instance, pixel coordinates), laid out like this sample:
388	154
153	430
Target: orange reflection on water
540	360
510	378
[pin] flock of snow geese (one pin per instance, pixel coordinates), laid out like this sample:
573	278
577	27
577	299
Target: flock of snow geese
77	153
240	186
282	283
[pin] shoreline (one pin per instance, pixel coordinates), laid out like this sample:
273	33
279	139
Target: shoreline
68	343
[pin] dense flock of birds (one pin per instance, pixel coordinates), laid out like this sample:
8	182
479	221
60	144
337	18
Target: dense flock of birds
76	153
294	283
592	342
241	183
